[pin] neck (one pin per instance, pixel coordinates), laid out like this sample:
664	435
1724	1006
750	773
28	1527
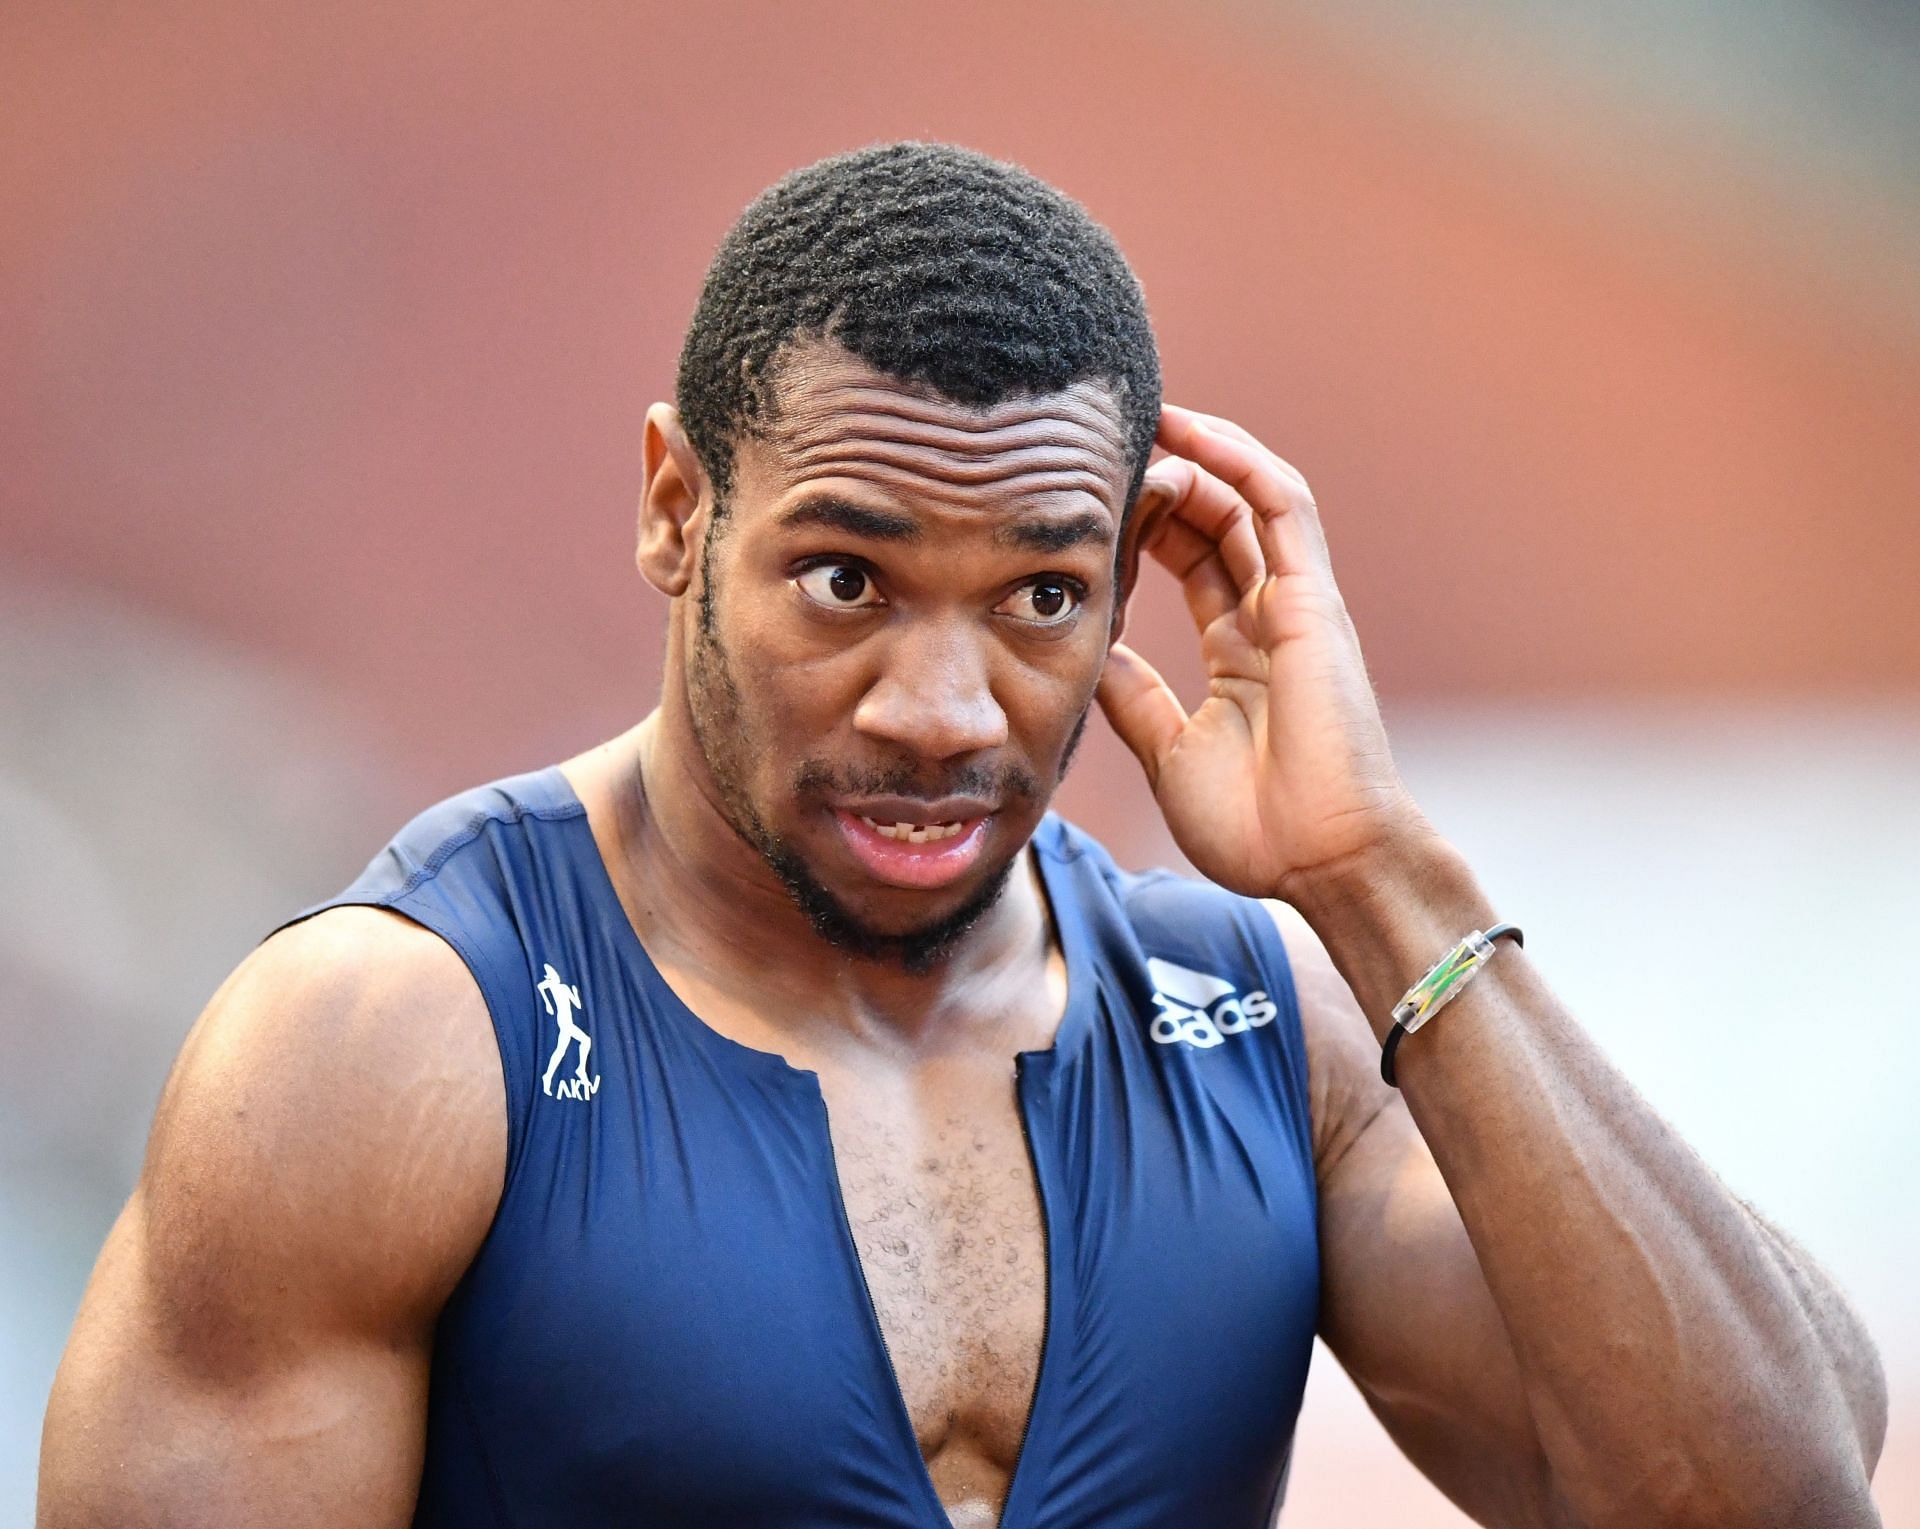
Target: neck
707	905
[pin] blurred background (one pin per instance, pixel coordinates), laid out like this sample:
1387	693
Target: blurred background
326	333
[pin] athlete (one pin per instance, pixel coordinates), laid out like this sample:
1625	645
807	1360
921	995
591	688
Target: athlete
561	999
938	1171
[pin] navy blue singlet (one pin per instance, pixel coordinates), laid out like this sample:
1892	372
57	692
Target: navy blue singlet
667	1324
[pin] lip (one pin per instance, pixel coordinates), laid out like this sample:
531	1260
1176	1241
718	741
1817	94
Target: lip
921	867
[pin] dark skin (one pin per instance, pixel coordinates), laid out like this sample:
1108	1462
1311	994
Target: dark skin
1554	1307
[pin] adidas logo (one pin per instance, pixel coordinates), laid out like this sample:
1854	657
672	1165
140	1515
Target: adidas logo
1200	1009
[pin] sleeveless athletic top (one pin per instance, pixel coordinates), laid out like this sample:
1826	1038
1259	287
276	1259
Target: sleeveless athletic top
667	1324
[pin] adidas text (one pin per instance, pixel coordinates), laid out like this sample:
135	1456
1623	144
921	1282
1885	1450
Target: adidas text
1199	1009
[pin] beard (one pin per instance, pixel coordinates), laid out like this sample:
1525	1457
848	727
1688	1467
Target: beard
720	730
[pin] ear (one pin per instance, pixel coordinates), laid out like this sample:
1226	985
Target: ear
674	503
1150	508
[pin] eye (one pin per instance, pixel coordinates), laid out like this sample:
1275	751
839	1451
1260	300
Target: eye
839	586
1043	602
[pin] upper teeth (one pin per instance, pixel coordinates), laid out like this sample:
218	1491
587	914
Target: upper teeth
914	833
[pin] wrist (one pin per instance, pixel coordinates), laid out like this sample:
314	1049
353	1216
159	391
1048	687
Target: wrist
1387	914
1407	866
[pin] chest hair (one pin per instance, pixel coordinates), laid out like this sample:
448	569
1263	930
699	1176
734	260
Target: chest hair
947	1221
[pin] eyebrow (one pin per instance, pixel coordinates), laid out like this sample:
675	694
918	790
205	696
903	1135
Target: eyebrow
1055	535
1029	535
854	519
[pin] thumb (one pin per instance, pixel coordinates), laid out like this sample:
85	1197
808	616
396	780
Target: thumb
1141	707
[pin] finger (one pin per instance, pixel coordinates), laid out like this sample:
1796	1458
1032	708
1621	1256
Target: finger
1141	707
1139	525
1209	589
1223	426
1220	425
1285	519
1161	487
1269	484
1222	516
1219	512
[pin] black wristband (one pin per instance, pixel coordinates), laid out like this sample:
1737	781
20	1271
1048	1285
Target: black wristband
1399	1031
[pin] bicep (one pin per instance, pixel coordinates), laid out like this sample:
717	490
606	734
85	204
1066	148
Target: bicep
142	1429
1404	1305
325	1158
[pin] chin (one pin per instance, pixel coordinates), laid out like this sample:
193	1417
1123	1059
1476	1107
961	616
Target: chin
912	928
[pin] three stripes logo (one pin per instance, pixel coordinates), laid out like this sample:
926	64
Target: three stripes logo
1199	1009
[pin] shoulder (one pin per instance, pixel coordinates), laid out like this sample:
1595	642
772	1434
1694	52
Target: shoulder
1164	915
469	869
332	1139
1173	914
456	830
1154	897
258	1329
1205	962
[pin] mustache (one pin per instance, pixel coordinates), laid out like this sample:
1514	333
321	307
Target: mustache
1006	783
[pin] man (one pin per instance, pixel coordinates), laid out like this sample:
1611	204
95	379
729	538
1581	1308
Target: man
933	1170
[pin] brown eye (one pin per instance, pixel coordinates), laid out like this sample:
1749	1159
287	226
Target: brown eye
1042	602
839	586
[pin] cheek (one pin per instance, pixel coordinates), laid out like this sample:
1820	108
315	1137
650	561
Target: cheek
791	693
1045	702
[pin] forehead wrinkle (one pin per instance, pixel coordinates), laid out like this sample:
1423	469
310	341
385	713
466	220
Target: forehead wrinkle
1063	421
1053	471
1032	447
1047	434
870	431
1001	493
919	446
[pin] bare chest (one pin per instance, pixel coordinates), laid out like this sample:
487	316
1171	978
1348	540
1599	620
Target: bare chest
940	1195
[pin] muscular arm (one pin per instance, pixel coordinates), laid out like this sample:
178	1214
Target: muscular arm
325	1159
1557	1311
1557	1308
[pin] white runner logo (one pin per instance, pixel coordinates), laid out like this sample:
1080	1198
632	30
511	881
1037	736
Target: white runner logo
1200	1009
561	1000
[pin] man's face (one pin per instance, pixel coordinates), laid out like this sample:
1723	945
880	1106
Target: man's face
896	636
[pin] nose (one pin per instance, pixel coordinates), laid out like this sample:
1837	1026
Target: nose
933	696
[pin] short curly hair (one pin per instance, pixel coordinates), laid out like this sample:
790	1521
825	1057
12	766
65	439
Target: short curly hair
931	263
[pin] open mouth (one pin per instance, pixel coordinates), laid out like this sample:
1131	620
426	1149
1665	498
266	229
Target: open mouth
922	855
